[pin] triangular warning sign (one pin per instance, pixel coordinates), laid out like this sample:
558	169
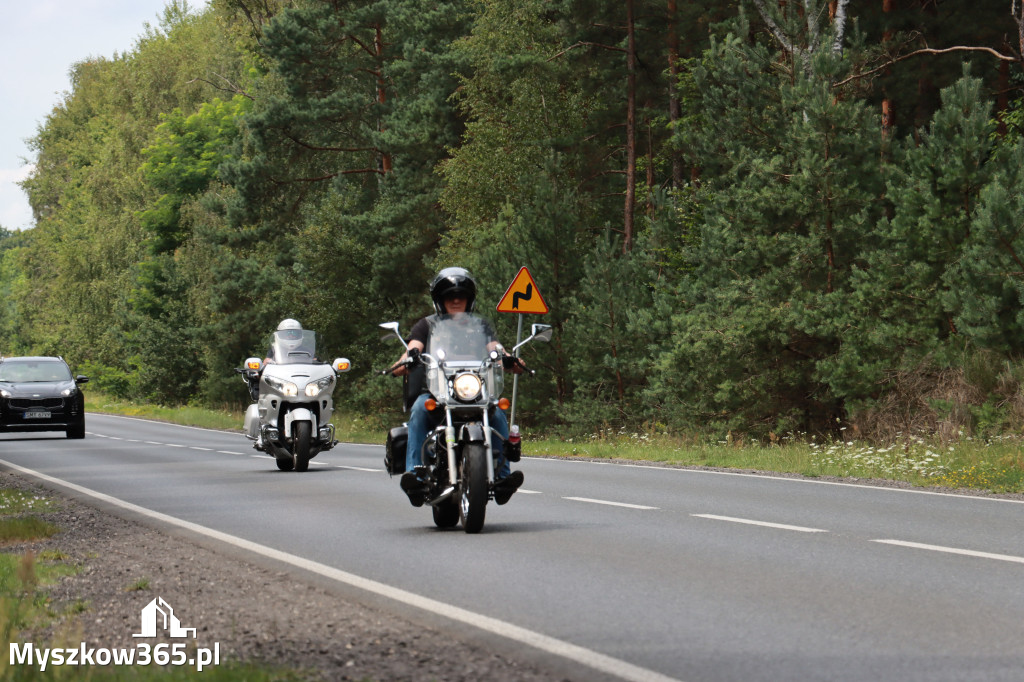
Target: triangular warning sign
523	296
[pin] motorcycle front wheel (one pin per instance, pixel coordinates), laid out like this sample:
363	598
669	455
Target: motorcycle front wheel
303	434
473	500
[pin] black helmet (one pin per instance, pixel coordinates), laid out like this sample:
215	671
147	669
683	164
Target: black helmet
450	281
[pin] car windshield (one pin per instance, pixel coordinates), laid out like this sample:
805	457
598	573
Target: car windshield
34	372
462	337
290	346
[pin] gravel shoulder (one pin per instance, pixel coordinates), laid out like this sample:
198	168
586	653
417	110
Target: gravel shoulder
254	613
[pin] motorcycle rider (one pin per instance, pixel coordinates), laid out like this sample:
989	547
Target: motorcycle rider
453	291
285	324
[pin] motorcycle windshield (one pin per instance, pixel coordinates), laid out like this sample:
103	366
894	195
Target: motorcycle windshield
461	338
293	346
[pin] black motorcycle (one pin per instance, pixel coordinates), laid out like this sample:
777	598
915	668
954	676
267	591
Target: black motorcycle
465	379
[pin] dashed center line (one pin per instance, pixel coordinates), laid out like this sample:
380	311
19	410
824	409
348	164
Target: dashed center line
609	503
953	550
341	466
765	524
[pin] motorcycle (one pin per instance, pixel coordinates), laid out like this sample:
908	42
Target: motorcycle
465	380
290	416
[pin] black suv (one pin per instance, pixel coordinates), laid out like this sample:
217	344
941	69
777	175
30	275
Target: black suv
40	394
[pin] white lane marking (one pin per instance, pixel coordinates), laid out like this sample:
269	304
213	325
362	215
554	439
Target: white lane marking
593	659
151	442
341	466
524	491
766	524
196	447
606	502
228	452
953	550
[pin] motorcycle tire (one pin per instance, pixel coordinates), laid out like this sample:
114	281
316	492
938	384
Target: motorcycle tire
303	435
473	487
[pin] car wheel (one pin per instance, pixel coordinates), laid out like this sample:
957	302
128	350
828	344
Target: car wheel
76	430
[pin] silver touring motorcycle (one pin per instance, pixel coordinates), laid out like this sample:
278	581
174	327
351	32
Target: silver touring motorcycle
290	417
465	380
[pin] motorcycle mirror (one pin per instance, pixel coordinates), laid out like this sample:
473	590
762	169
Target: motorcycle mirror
341	365
538	332
392	327
541	332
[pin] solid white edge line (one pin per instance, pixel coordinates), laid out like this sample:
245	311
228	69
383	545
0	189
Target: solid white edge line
953	550
572	652
610	504
766	524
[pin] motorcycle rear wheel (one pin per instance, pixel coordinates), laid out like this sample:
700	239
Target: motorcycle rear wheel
473	487
303	434
446	514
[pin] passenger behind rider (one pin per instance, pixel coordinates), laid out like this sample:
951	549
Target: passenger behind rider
453	291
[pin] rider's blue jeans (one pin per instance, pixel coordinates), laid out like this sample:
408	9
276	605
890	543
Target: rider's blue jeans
421	423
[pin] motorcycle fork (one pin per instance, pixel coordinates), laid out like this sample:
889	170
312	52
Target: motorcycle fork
449	437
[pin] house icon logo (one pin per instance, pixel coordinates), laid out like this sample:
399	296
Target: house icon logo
158	615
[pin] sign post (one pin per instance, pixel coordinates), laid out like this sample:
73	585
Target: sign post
522	297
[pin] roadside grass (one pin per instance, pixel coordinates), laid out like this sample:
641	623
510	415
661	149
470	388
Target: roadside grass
993	464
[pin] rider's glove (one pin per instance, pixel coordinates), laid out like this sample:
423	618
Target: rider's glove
414	356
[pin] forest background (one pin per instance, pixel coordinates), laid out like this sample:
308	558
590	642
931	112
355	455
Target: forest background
746	217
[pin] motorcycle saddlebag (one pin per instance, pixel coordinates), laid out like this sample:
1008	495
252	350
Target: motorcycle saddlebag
394	450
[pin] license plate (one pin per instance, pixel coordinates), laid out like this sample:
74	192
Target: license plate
37	414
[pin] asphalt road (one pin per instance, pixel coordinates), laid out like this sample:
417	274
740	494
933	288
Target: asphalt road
624	571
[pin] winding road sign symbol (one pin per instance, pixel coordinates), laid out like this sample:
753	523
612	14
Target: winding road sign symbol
523	296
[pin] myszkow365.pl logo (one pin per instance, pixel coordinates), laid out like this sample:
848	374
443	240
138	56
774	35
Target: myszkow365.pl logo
157	617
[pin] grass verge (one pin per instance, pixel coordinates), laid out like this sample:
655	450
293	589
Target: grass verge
994	464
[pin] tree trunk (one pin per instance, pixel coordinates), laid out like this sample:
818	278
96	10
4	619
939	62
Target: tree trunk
385	161
675	111
627	242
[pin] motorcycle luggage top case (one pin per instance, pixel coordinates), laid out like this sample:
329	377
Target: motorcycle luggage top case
394	450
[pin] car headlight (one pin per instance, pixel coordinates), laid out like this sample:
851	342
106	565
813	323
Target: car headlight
5	393
67	391
314	388
285	387
467	386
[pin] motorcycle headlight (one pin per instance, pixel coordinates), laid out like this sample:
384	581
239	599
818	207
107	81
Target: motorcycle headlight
314	388
285	387
467	386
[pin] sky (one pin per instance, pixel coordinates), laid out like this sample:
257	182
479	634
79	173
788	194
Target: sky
39	42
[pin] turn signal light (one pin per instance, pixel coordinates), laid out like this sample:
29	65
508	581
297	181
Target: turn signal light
253	364
431	404
504	403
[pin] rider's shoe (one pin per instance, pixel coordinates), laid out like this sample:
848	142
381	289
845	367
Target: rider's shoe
504	488
416	487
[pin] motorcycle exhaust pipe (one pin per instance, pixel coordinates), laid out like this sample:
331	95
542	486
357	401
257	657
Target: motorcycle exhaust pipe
442	497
